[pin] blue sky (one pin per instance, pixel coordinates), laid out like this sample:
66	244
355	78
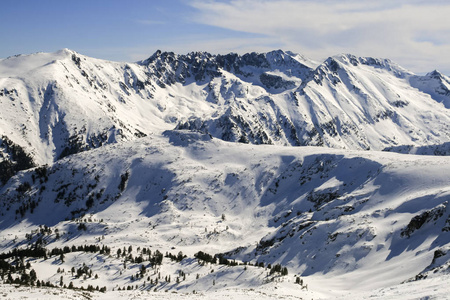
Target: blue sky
413	33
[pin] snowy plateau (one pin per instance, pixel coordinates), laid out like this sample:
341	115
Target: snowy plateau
199	176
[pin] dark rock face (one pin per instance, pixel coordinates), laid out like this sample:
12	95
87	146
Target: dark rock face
426	217
14	159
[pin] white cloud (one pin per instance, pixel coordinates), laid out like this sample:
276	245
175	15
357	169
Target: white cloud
412	33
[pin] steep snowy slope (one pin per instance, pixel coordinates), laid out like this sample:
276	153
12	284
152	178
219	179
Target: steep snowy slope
328	215
436	84
369	104
57	104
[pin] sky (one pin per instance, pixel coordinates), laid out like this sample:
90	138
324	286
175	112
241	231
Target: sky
412	33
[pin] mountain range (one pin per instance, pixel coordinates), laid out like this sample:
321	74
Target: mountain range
262	158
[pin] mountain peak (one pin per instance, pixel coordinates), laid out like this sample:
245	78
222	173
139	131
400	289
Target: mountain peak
19	65
435	74
337	61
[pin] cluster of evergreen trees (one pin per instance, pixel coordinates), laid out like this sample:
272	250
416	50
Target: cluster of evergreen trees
26	274
176	258
17	257
82	271
152	283
278	268
90	288
221	260
144	254
13	263
36	252
205	257
154	259
224	261
81	248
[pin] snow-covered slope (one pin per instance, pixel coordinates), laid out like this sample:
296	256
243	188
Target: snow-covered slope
369	104
58	104
330	216
436	84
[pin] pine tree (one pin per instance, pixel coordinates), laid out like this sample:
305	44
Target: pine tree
143	270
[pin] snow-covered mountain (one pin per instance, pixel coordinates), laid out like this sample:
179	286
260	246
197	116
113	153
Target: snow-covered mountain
56	104
168	154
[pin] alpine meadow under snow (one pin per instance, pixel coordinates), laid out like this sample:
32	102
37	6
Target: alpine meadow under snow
228	176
